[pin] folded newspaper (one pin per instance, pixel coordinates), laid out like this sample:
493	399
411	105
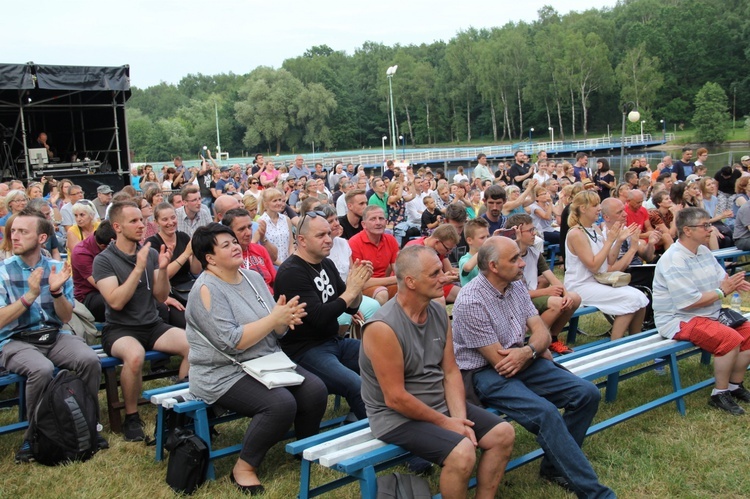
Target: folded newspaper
273	370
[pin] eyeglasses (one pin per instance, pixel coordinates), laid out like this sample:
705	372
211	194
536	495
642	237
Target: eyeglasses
707	226
309	214
446	248
253	183
530	231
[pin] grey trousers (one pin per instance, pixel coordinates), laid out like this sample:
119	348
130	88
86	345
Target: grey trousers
38	363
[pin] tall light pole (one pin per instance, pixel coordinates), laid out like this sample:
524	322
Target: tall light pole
389	74
531	130
552	133
663	130
630	112
403	146
642	122
383	144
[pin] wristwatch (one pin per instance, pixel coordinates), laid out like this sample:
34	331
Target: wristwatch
533	351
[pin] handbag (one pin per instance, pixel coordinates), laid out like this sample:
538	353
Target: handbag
46	335
615	279
188	461
273	370
731	318
181	291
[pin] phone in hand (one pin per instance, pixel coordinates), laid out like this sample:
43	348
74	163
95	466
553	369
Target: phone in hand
509	233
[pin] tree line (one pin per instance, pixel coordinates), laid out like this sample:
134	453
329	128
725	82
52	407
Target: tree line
568	71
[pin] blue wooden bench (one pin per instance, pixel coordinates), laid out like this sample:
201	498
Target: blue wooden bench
201	418
573	323
9	379
731	254
354	452
552	251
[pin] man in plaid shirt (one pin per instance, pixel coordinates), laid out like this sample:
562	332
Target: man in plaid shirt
37	292
490	319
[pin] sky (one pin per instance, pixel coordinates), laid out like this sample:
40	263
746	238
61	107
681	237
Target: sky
165	40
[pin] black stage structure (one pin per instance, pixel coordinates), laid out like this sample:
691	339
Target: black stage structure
82	111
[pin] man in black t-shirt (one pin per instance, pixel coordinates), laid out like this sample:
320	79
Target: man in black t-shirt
684	166
520	170
356	202
315	344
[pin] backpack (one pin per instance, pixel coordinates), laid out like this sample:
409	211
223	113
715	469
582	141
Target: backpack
398	486
188	461
63	425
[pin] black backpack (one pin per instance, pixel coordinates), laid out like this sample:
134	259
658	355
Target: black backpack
188	461
63	426
400	486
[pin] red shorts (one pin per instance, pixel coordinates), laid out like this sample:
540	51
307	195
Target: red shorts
714	337
447	289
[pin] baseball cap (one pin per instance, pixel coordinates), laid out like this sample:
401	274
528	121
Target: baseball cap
745	158
224	169
104	189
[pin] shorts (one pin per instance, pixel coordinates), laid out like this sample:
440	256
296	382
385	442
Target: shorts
147	334
713	336
434	443
540	302
447	289
373	290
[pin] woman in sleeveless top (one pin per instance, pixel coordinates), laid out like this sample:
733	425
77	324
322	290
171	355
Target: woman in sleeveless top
588	253
278	225
87	220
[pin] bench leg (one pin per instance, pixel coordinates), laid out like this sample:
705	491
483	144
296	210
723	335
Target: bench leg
368	483
572	331
203	431
676	383
304	480
22	416
705	357
113	399
611	391
160	415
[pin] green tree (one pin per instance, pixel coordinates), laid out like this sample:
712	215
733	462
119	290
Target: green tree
639	77
711	115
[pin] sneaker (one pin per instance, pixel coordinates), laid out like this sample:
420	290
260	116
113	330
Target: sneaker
132	428
558	480
559	346
741	393
725	402
24	454
101	442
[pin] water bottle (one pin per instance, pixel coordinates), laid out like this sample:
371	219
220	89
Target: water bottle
735	302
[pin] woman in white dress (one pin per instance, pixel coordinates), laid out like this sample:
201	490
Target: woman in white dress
588	253
278	225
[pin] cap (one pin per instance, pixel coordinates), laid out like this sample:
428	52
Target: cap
104	189
224	169
692	177
745	158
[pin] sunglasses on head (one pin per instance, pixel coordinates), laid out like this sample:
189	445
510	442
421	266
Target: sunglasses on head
309	214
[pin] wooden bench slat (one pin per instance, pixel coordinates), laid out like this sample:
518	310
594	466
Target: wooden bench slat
314	453
334	458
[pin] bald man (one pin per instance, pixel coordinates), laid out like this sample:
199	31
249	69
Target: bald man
223	204
637	214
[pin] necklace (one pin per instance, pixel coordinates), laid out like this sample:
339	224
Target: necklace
319	272
594	237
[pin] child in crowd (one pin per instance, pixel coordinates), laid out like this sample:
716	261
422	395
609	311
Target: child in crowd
476	231
431	216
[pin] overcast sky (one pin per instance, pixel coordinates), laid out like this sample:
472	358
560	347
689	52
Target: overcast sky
164	40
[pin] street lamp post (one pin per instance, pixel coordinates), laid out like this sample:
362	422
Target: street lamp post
389	74
531	130
383	144
642	122
663	130
552	133
630	112
403	147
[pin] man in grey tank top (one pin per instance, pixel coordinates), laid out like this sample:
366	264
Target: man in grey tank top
412	388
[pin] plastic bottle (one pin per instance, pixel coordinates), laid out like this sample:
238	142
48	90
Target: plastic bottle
735	302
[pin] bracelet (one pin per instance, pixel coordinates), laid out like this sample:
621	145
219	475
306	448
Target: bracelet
720	293
24	302
56	295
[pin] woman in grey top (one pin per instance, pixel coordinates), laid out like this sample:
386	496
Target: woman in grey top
233	309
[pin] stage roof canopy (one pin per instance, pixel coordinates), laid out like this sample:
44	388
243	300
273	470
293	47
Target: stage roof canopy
92	78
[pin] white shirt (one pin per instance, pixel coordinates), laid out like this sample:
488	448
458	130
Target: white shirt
414	209
341	205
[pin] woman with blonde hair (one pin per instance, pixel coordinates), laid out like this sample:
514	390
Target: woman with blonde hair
34	190
250	203
15	201
277	224
588	253
87	220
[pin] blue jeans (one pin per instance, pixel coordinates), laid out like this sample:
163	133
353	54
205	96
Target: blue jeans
336	362
532	398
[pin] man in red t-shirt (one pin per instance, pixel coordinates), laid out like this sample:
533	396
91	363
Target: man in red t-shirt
255	256
443	240
637	214
374	245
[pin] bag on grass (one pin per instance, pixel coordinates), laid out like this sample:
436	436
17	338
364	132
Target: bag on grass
63	426
398	486
188	461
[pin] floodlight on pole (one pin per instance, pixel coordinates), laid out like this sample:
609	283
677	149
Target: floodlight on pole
552	134
383	144
389	74
630	112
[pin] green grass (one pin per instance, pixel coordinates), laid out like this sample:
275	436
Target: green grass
659	454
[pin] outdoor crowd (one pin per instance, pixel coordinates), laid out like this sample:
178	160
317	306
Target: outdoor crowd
349	274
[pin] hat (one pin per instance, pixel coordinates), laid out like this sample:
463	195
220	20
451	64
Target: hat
692	177
745	158
224	169
587	182
104	189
